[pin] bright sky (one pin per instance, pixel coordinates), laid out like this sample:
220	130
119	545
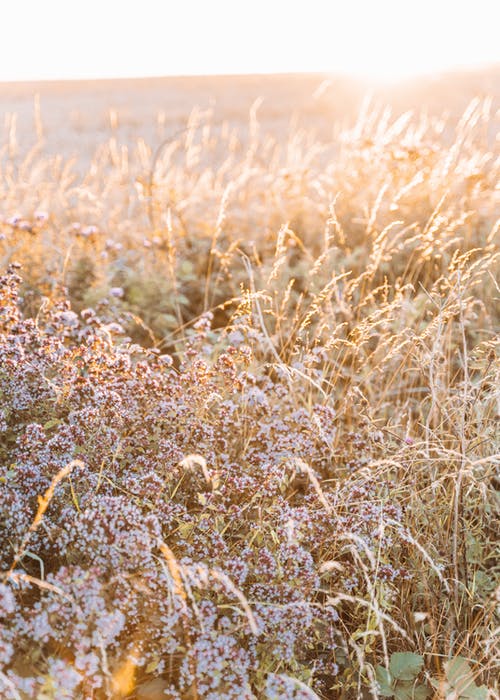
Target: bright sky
384	39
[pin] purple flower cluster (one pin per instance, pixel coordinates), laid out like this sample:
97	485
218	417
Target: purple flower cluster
206	571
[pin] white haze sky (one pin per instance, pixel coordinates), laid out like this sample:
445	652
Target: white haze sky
381	39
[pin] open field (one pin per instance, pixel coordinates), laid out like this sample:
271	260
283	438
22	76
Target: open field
249	403
75	116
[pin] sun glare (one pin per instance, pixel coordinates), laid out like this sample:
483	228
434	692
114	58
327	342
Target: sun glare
382	40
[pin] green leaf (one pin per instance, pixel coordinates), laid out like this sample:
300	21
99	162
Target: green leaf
405	666
153	665
410	691
460	676
185	529
202	499
457	669
384	681
51	423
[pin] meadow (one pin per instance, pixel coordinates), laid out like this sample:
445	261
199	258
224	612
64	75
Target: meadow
249	403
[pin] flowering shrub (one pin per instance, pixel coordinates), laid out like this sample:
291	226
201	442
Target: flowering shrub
130	418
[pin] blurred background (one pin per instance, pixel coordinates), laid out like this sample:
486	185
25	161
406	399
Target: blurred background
138	69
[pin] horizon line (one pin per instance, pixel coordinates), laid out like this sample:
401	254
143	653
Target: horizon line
346	75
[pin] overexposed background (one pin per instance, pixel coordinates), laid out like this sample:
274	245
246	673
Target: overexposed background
380	39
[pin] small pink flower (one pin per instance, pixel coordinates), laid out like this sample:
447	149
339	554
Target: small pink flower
89	231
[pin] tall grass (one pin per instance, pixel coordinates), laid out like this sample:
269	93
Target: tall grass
295	343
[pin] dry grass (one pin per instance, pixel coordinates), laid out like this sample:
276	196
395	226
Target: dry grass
362	274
